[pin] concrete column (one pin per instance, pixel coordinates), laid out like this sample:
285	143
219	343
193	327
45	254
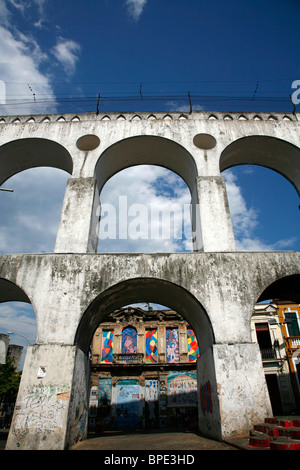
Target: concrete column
52	405
233	394
77	232
216	225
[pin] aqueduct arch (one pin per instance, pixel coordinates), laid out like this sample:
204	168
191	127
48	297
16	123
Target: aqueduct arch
274	153
74	287
145	290
22	154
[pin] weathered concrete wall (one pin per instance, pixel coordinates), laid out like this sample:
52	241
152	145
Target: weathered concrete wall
227	285
41	413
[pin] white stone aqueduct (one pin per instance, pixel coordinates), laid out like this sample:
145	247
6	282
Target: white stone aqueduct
214	287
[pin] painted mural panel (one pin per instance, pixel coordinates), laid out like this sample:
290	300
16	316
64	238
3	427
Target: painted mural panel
151	403
107	346
129	340
151	346
193	348
127	404
104	391
182	389
172	344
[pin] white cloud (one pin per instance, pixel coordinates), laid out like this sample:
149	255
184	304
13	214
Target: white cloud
244	219
135	8
30	215
67	53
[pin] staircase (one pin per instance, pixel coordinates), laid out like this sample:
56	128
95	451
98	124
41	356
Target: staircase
277	433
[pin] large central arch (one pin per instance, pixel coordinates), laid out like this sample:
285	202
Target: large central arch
145	290
146	150
153	150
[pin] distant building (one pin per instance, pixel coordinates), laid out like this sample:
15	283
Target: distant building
275	326
144	371
13	351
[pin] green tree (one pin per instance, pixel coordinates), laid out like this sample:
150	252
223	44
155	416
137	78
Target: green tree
9	382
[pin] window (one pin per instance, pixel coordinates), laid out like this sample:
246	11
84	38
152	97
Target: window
151	346
292	323
107	346
129	340
172	345
193	348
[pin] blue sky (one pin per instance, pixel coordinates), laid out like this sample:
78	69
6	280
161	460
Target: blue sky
57	56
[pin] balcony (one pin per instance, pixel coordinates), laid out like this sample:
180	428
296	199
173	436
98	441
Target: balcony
128	358
293	342
269	353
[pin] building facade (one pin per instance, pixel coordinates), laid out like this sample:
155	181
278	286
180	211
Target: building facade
144	371
275	326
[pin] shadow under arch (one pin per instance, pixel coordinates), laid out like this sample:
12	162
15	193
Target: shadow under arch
145	290
10	292
285	288
146	150
23	154
271	152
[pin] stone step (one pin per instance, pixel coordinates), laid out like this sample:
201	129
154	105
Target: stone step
277	433
282	443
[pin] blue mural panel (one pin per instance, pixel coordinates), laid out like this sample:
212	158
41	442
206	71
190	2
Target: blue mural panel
127	404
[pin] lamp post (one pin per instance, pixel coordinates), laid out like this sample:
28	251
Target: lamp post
19	334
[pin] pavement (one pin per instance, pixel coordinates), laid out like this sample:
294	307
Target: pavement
168	440
150	441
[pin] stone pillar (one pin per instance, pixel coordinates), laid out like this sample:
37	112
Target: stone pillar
216	225
52	405
233	394
77	232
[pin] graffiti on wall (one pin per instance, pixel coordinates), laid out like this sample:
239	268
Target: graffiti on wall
193	348
206	398
43	409
151	346
182	389
172	345
107	346
129	340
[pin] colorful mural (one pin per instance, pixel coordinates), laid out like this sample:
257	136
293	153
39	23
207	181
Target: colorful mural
127	404
172	345
182	389
193	348
107	346
129	340
151	346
